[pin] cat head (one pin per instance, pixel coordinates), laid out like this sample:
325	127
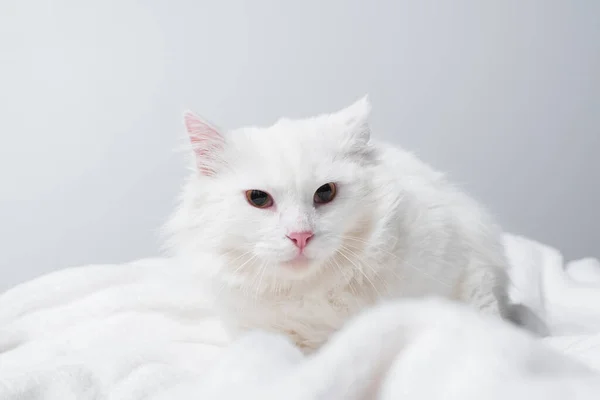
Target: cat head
279	202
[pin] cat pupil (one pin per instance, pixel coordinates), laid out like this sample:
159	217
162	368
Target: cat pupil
325	193
259	198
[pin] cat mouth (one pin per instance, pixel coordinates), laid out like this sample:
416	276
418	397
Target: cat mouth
298	262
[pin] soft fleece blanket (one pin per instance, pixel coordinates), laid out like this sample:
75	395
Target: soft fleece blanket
143	330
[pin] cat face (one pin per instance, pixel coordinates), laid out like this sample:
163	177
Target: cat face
282	200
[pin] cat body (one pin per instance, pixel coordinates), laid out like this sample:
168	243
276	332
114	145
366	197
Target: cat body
308	222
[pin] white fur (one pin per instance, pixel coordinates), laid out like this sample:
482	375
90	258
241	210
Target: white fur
397	228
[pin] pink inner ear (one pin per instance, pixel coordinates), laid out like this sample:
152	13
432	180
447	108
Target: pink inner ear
206	141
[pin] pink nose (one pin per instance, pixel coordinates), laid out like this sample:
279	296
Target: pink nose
300	239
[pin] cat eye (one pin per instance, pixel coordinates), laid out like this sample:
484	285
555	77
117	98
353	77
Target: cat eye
325	193
259	199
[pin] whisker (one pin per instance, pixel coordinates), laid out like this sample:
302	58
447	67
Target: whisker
338	267
359	258
252	259
262	273
353	290
376	274
238	257
340	251
378	248
238	268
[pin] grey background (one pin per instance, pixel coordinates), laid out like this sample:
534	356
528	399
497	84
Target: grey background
504	95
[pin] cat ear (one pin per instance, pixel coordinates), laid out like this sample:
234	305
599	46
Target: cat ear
355	121
207	142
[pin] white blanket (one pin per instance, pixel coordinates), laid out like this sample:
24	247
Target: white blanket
144	331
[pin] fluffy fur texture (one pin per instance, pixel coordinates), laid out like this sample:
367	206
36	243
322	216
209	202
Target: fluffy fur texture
395	229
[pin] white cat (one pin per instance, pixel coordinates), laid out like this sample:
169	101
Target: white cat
311	222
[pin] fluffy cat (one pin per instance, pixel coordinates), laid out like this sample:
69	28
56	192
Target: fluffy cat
302	224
